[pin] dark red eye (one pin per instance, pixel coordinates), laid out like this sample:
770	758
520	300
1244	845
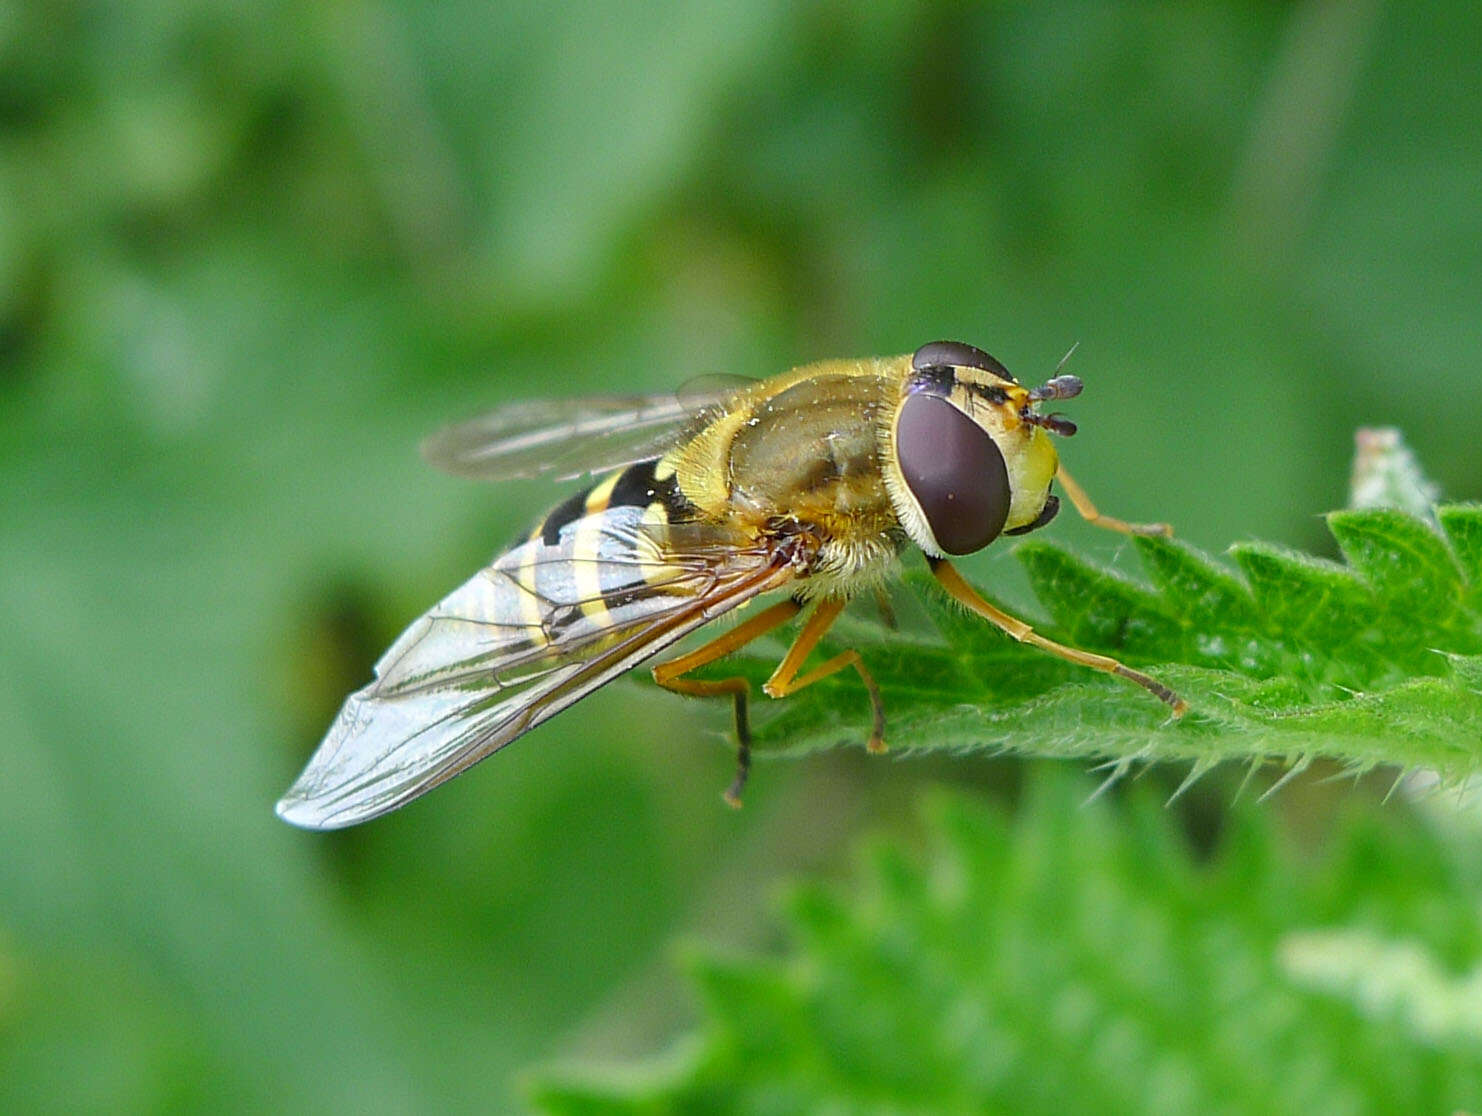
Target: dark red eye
939	353
954	470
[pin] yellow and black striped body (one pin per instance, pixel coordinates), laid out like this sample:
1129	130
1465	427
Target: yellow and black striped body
636	486
601	553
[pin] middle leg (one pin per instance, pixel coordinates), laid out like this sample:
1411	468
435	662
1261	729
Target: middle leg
785	679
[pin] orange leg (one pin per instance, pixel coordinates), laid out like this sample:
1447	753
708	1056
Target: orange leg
1089	513
964	593
785	678
668	675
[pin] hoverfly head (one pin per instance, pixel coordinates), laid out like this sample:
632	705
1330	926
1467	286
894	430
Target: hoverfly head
967	455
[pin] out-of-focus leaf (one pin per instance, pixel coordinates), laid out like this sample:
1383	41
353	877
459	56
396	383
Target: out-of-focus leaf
1072	962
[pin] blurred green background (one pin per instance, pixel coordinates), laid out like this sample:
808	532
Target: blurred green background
251	252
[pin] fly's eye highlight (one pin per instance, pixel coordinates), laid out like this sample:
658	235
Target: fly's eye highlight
954	471
936	354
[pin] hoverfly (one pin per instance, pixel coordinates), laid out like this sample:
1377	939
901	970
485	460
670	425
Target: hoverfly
808	484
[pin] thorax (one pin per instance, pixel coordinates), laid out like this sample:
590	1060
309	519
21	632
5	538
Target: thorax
804	449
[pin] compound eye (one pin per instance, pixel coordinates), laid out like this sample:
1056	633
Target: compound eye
954	471
935	354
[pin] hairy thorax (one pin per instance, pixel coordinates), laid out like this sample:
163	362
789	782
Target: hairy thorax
810	455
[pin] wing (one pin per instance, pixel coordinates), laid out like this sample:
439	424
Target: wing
573	437
541	628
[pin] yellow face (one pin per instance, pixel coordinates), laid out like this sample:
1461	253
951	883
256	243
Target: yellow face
966	456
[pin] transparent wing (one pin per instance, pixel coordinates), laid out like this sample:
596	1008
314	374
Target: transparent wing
574	437
523	639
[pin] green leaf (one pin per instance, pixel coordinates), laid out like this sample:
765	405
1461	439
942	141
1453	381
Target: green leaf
1079	960
1097	607
1368	662
1404	560
1306	602
1196	585
1463	526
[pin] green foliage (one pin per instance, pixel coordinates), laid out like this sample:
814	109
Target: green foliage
1375	661
1079	959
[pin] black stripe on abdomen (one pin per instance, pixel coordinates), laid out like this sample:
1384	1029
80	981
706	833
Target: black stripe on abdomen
635	488
638	488
567	511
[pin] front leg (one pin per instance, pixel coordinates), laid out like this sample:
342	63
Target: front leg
965	594
785	678
1089	513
